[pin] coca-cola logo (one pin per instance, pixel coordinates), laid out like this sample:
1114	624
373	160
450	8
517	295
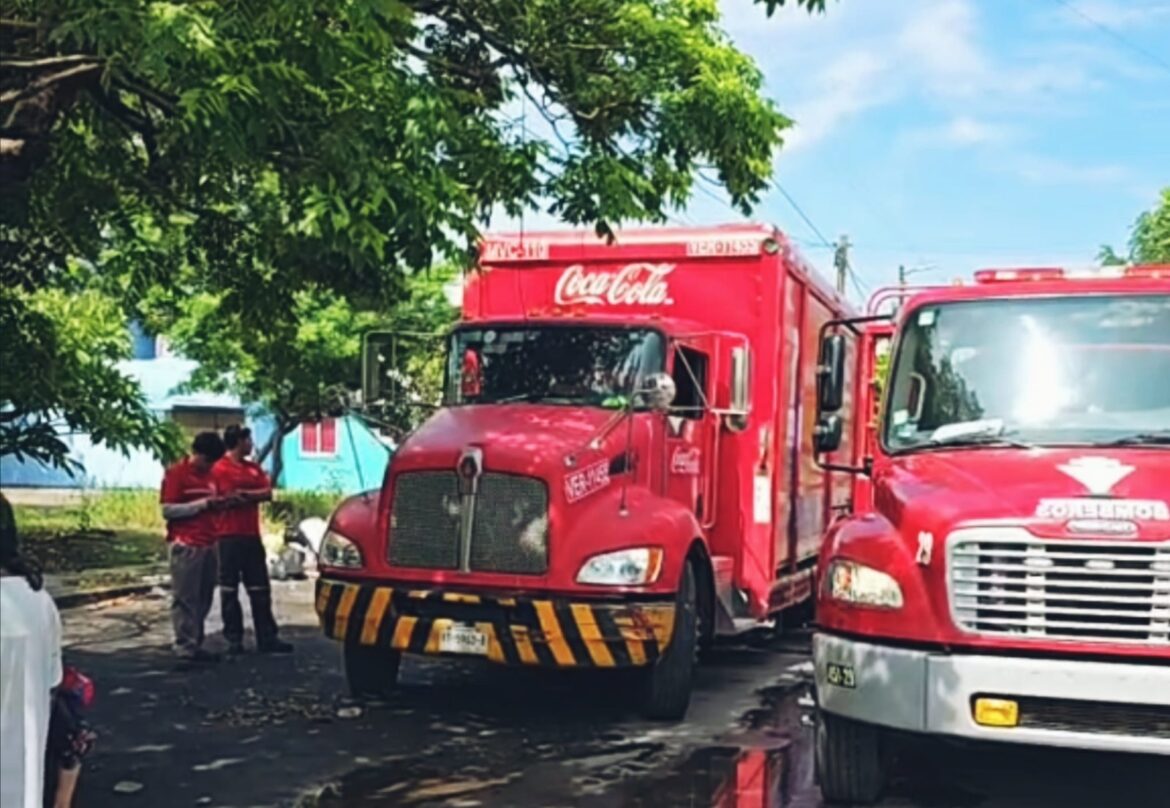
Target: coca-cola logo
639	284
685	462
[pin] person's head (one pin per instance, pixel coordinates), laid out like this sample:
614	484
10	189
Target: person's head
206	449
10	560
238	440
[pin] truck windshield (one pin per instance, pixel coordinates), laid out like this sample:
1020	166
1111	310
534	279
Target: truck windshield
552	364
1074	370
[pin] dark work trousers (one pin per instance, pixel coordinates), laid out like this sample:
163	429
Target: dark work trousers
193	578
242	558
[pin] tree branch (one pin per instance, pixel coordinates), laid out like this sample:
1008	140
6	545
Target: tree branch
43	83
48	61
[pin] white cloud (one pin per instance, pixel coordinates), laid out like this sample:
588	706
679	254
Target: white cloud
850	86
1051	171
940	46
963	131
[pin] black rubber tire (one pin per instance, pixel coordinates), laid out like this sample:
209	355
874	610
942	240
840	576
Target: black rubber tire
850	760
667	691
370	672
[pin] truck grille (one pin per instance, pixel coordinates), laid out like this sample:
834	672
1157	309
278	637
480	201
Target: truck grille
1066	715
1096	591
510	532
509	527
424	520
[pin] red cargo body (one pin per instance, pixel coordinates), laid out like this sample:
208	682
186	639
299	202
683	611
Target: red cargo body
1005	575
724	482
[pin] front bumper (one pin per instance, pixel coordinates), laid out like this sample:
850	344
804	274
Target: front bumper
549	632
1108	706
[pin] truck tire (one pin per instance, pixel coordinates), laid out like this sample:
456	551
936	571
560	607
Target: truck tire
371	671
850	760
667	693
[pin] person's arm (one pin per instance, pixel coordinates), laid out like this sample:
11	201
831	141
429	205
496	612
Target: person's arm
172	509
66	786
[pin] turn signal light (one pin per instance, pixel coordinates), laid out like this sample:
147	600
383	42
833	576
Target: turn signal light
996	712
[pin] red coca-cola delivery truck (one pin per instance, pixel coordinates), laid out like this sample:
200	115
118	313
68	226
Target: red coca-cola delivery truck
1005	572
621	469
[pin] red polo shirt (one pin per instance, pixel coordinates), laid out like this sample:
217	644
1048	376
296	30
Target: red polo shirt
232	476
182	483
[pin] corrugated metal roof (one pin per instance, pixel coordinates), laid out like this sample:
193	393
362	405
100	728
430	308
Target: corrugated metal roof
160	379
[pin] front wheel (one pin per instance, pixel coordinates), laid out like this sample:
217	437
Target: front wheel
850	760
371	671
667	692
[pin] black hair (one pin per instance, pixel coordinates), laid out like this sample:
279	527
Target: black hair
10	550
234	434
208	444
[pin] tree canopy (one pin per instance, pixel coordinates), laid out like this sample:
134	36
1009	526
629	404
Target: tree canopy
246	154
1149	240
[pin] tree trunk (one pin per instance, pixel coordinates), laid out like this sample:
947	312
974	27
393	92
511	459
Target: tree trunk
275	446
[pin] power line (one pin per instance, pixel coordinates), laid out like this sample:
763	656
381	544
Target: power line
1109	31
804	216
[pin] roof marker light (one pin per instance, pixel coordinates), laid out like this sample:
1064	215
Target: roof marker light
1029	274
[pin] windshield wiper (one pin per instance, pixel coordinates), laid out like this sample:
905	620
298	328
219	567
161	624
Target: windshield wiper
1143	439
978	439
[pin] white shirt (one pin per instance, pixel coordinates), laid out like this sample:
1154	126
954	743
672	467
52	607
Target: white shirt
30	666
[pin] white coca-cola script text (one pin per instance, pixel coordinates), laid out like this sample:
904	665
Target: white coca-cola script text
640	284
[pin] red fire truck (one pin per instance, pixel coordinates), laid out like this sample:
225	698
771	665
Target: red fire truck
1005	573
622	467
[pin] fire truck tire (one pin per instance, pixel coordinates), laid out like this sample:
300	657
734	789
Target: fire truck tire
370	671
667	693
850	763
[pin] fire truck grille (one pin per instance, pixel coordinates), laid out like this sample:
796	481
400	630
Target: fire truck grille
1103	718
424	520
1094	591
510	533
509	527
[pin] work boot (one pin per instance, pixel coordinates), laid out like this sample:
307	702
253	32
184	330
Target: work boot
274	646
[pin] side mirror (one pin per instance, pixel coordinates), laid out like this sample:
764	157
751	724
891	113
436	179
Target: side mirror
831	374
378	360
740	388
659	391
827	434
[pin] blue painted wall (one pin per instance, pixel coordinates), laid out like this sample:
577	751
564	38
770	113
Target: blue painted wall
358	464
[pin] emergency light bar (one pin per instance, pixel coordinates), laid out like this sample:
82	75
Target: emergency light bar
1143	271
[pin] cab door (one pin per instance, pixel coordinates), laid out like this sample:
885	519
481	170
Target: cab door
691	427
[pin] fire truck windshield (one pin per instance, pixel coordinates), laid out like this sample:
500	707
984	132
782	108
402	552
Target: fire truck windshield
1034	371
592	366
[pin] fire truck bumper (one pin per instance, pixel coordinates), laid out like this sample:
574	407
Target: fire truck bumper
518	630
1108	706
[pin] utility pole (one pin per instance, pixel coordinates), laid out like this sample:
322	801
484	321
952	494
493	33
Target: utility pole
841	261
901	274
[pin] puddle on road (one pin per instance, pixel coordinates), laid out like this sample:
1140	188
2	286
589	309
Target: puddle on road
767	763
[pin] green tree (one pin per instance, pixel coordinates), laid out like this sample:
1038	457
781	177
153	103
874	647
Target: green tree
302	362
59	353
251	153
1149	240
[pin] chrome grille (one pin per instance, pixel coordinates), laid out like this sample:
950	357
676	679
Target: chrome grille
424	520
509	529
510	532
1098	591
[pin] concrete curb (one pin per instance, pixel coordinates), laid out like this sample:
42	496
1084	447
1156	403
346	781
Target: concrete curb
87	597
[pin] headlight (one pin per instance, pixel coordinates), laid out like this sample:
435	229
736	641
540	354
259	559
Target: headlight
639	565
850	582
338	551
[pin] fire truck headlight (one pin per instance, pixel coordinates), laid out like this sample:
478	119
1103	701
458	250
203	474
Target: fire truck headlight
850	582
338	551
640	565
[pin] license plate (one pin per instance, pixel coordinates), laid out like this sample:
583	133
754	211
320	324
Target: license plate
461	639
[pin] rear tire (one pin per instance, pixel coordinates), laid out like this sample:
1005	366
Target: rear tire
371	671
667	693
850	760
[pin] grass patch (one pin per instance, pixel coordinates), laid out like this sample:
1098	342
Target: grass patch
113	528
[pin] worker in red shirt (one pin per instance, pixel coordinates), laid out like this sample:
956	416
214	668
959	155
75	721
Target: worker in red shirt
189	506
241	552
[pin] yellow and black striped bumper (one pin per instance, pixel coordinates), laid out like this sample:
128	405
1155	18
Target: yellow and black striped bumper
520	630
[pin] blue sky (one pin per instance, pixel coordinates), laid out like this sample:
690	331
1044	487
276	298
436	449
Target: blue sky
964	133
960	134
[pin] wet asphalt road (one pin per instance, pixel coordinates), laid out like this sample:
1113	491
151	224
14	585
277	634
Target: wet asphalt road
277	731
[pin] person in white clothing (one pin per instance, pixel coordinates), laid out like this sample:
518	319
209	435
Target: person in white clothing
30	667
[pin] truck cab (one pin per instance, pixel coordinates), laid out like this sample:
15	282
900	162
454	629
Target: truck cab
620	471
1010	579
